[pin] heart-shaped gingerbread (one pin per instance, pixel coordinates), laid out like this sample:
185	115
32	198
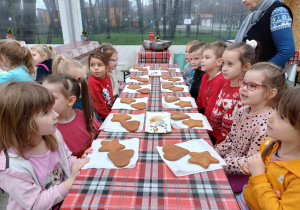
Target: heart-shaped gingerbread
131	125
139	106
166	86
144	90
173	152
176	89
179	116
121	158
110	146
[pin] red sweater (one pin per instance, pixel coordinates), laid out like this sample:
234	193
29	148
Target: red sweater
101	95
224	111
208	93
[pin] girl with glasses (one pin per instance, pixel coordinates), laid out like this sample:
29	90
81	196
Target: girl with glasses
258	90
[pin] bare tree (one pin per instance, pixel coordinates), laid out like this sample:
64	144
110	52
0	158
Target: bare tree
84	14
188	12
4	17
54	26
16	15
140	15
92	17
117	14
29	21
156	17
107	19
164	15
174	18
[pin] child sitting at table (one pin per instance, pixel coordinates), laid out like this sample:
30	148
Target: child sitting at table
213	81
188	70
16	60
258	90
275	173
36	167
237	59
195	56
99	83
78	127
43	57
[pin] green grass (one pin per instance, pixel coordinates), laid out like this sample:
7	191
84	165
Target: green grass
136	38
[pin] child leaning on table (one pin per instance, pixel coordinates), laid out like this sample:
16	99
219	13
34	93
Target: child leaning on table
258	90
213	81
275	172
16	60
237	59
195	56
99	83
37	169
43	57
78	127
188	70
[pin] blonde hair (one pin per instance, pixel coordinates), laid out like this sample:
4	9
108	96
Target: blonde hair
20	103
104	53
217	47
247	54
16	54
42	48
62	65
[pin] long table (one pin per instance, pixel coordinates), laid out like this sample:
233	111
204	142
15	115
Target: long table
151	184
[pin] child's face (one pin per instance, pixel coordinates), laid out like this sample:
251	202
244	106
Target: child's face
210	61
113	61
281	129
232	68
37	57
257	97
195	59
46	122
98	69
187	48
61	102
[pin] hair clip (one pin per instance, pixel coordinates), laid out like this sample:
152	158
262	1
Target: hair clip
101	50
252	43
45	47
76	78
62	58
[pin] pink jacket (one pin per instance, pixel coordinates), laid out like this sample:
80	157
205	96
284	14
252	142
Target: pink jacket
21	182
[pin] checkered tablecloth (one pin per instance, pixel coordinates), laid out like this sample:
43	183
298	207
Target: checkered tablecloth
151	184
294	59
150	56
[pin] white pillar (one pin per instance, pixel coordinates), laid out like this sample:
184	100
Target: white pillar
71	21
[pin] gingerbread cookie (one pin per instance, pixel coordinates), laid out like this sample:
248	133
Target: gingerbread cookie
166	86
134	87
179	116
121	158
174	79
163	69
142	80
170	99
173	152
110	146
135	77
144	90
171	70
193	123
184	104
165	78
127	100
203	159
131	125
120	117
139	106
176	89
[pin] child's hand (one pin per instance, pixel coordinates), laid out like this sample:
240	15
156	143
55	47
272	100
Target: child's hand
86	152
256	165
245	169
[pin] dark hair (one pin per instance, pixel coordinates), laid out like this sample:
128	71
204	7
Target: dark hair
274	77
103	53
217	47
247	53
193	42
287	105
196	46
71	87
20	103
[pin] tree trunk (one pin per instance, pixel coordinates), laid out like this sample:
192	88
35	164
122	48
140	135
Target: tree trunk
54	26
107	19
164	15
188	12
174	19
16	15
29	21
84	15
4	15
117	15
140	15
93	19
156	18
170	16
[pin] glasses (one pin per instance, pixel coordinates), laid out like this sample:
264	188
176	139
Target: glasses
250	85
114	60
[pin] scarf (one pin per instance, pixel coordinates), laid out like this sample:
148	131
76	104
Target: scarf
252	18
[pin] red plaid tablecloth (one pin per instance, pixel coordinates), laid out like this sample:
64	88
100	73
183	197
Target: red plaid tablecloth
151	184
150	56
294	59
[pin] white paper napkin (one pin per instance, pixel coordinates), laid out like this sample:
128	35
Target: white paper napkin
173	106
135	81
127	90
154	73
119	105
136	70
158	122
177	124
185	89
101	160
180	81
182	167
177	70
110	126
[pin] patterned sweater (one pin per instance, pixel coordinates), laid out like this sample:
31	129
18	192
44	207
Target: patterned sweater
247	133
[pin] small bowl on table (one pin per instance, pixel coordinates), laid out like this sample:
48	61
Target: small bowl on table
146	44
